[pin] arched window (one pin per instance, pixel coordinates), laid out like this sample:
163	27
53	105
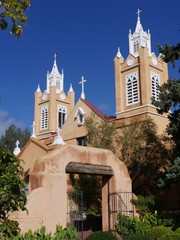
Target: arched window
44	117
62	113
155	81
136	46
132	88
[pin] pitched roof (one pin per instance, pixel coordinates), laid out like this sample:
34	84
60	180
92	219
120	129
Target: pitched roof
97	111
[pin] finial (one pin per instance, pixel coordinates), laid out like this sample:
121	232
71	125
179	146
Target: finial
38	88
17	149
138	12
58	139
82	92
118	55
33	132
71	88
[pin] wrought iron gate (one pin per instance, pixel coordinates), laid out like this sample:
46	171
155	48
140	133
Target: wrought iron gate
75	214
119	202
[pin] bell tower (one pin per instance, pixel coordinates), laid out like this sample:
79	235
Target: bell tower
52	106
137	79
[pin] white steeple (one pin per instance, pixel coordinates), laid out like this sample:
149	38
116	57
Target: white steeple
139	38
54	78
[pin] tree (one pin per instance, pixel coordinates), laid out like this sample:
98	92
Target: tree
169	102
102	134
12	12
90	185
145	155
12	196
12	134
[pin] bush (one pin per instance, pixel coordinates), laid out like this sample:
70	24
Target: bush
137	225
173	236
156	232
137	237
177	230
101	236
61	234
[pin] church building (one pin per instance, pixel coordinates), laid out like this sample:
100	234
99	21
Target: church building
136	81
54	150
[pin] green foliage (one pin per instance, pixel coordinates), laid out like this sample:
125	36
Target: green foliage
136	225
101	236
12	197
144	154
61	234
136	237
170	53
67	233
101	135
158	231
144	204
90	185
12	134
173	236
169	97
12	11
177	230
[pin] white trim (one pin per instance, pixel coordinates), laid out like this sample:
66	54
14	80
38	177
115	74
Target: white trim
44	117
155	82
79	112
139	107
132	88
59	107
137	114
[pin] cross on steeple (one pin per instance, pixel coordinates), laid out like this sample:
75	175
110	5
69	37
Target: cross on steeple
82	82
138	12
55	55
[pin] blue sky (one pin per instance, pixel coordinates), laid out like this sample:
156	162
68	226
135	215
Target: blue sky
85	34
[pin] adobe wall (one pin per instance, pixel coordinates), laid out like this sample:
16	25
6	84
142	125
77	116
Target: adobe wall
49	181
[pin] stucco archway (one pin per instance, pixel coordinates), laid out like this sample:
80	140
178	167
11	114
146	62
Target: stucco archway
47	201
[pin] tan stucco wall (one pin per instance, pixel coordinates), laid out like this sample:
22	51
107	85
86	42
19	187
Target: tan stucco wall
47	202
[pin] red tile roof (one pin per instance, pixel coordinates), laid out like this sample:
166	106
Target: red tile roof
97	111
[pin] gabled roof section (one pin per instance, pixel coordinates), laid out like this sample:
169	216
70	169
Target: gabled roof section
97	111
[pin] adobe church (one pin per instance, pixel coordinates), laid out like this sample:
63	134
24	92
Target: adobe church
58	130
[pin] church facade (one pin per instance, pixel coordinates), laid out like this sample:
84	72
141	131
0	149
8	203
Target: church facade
136	81
58	129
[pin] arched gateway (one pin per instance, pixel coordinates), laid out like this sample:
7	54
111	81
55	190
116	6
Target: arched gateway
47	200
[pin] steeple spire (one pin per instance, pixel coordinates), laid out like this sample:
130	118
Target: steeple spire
54	78
139	38
138	25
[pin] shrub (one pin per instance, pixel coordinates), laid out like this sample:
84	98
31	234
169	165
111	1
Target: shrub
61	234
173	236
101	236
158	231
136	237
177	230
139	225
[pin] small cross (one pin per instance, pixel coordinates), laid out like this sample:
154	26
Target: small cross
55	55
82	82
138	12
